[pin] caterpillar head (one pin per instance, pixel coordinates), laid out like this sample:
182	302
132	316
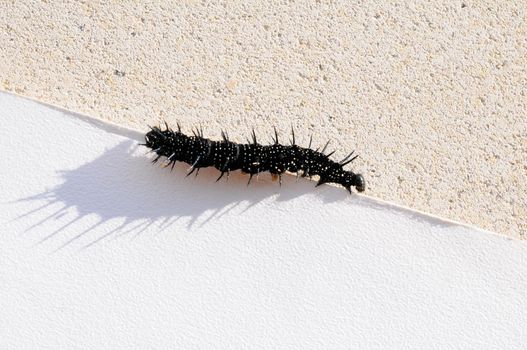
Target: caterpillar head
354	180
358	182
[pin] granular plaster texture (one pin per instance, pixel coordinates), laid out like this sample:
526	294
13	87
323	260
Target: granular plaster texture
432	95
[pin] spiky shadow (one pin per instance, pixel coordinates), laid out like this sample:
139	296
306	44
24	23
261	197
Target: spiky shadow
122	185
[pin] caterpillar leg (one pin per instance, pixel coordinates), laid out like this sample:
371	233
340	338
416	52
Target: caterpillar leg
191	171
221	175
278	177
320	182
250	178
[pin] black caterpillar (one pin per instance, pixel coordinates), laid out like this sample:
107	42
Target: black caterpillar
251	158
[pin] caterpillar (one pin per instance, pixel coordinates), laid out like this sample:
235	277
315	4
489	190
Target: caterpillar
251	158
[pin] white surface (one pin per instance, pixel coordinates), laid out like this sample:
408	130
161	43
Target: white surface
100	249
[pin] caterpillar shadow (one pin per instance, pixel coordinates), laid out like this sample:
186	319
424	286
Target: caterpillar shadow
121	184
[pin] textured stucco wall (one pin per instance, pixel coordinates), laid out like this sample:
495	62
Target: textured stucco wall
431	94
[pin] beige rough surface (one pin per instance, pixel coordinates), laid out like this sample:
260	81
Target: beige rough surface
433	95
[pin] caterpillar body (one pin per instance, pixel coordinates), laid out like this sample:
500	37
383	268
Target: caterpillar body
251	158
